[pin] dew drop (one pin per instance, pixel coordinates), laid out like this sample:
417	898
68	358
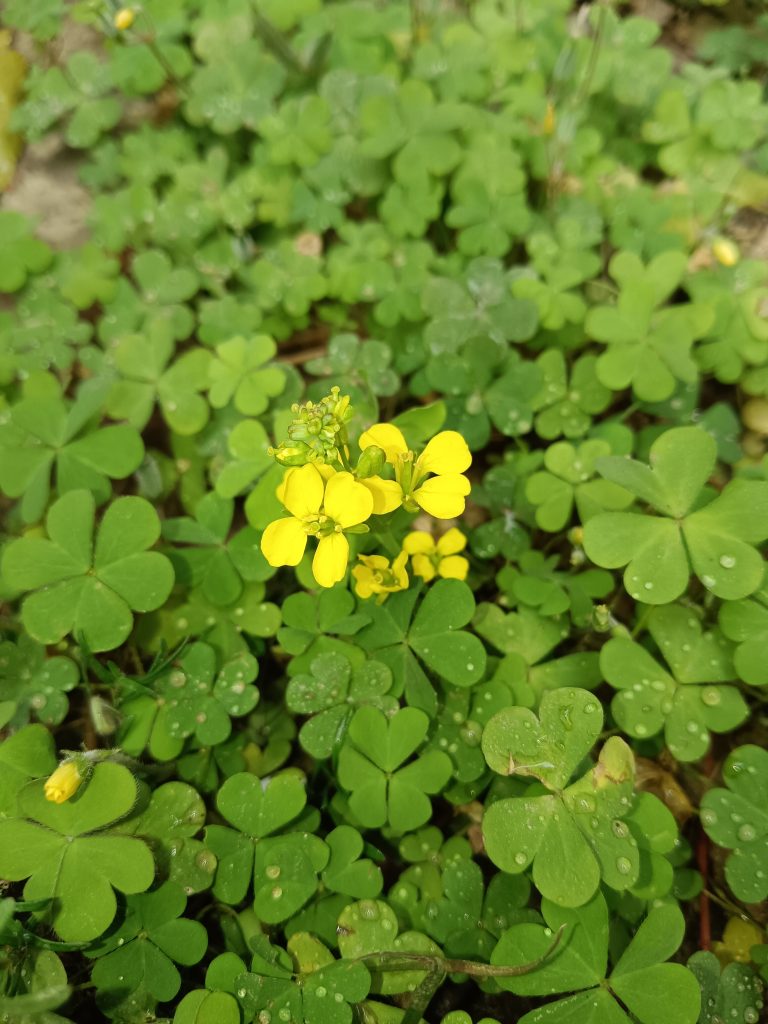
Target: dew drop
369	910
520	858
746	833
727	561
623	866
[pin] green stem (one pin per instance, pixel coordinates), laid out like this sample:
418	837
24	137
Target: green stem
276	42
640	625
449	965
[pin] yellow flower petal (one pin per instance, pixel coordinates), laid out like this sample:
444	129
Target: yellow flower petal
443	496
302	491
387	494
330	562
454	567
423	567
346	501
447	452
363	577
374	561
283	542
419	543
399	571
386	436
452	542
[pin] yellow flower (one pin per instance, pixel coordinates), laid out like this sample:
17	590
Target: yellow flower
375	576
434	481
430	559
322	504
725	252
64	782
124	19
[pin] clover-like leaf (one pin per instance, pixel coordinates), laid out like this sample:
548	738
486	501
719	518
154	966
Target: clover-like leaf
746	623
687	702
728	993
433	633
649	346
238	375
383	788
466	920
33	686
568	479
737	819
140	956
330	692
68	854
641	984
169	823
715	541
86	588
573	836
371	927
47	436
21	253
27	754
195	696
212	560
256	810
149	376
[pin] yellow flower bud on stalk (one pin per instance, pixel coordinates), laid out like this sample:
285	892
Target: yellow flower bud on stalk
64	782
124	19
725	252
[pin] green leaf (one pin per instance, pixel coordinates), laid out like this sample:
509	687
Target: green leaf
68	854
572	836
93	595
687	703
736	818
714	542
371	766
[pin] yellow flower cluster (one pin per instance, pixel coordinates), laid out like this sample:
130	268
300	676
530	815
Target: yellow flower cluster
429	558
327	499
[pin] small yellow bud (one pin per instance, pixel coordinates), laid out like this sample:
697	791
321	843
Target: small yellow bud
124	18
725	252
576	535
64	783
548	124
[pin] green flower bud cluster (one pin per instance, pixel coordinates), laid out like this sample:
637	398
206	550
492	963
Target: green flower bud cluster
317	433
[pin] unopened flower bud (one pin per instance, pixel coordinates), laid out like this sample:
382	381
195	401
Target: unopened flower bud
725	252
124	18
64	782
602	620
291	454
371	462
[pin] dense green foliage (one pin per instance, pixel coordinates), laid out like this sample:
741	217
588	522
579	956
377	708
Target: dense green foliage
513	771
